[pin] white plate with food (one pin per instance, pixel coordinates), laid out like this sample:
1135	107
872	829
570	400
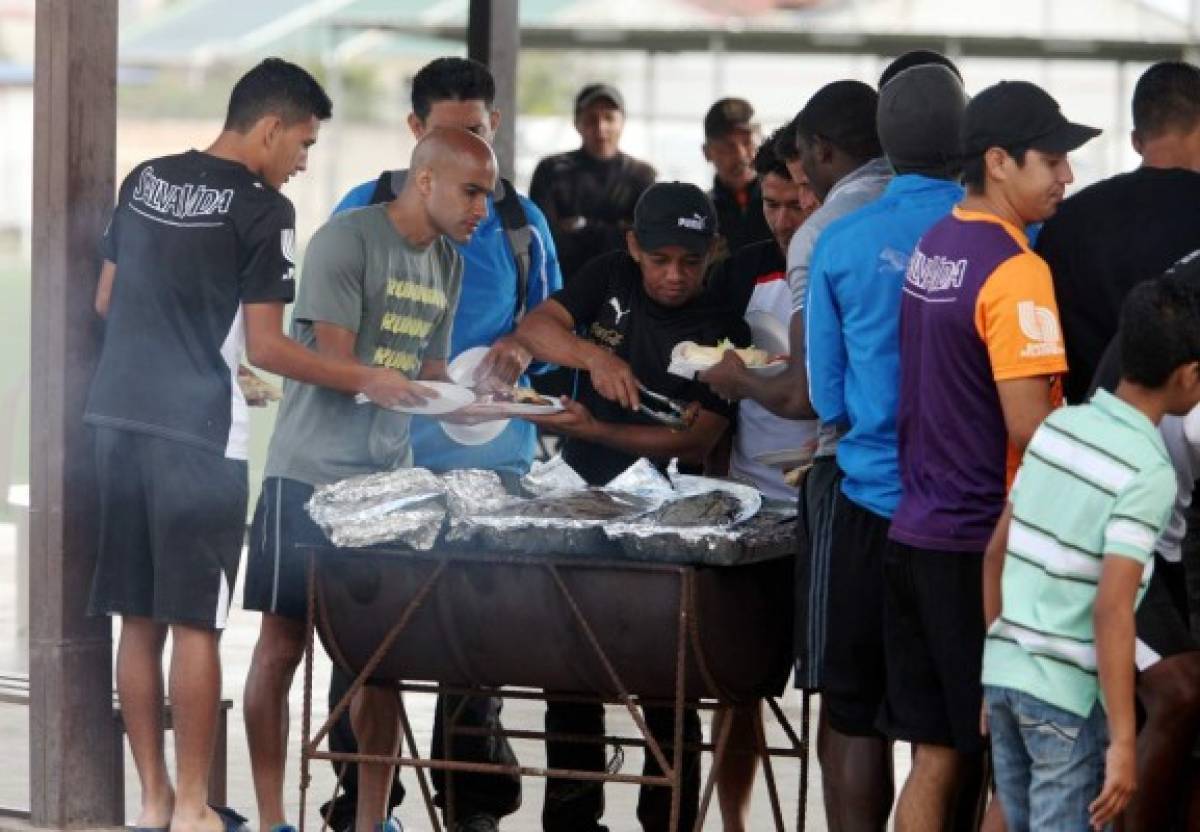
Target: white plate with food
689	358
450	397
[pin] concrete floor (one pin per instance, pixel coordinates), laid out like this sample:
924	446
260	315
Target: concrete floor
236	649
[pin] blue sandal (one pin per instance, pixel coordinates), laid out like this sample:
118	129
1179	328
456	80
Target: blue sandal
232	821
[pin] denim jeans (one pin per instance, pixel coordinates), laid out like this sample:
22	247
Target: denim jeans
1049	762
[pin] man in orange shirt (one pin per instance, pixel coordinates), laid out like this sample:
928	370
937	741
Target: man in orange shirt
981	356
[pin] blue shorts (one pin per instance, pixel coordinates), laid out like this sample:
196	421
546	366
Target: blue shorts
277	562
1049	763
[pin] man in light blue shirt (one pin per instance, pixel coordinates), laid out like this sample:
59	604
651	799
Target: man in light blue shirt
852	317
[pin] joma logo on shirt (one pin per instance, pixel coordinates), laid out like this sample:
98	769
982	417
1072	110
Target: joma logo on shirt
935	274
1040	326
180	200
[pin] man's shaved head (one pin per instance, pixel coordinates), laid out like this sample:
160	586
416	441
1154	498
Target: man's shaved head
451	145
453	171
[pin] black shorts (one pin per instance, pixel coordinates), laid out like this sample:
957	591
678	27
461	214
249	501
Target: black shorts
814	525
276	566
1162	617
933	641
172	521
853	680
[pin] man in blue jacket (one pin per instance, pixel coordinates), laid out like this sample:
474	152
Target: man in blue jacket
852	318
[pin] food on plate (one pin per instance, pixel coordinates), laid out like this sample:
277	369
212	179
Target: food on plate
592	504
712	508
517	395
698	354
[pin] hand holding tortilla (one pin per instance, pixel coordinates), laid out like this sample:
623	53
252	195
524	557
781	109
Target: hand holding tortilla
257	391
689	358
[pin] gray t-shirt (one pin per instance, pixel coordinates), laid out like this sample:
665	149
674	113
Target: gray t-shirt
861	186
361	275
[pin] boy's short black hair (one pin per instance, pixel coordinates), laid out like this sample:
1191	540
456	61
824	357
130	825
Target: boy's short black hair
1160	328
843	113
451	79
276	87
767	158
1167	97
974	172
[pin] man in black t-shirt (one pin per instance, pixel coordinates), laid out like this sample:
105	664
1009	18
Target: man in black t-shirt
730	143
1102	242
198	263
1116	233
588	194
634	306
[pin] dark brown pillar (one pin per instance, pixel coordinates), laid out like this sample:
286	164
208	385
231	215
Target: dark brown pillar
72	776
494	38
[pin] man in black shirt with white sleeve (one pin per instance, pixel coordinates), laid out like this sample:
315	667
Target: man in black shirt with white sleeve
198	264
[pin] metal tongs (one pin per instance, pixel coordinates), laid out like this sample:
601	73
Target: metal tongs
665	410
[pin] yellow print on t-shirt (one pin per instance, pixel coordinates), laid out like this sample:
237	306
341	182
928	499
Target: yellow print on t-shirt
405	362
405	325
407	290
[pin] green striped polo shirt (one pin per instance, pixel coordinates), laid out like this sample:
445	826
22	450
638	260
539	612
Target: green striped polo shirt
1095	481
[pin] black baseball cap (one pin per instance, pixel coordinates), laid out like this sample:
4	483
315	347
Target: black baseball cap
675	214
599	92
1020	114
726	116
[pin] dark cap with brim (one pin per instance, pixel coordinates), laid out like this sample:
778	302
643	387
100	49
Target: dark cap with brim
1015	114
675	214
599	92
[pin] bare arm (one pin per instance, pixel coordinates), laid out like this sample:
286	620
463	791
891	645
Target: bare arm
1114	626
1026	403
547	332
993	568
692	445
108	273
785	395
333	364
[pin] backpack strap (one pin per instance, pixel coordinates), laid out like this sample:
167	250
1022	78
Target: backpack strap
389	183
520	238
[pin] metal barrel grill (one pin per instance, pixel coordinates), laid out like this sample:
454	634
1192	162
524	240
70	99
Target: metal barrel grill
502	620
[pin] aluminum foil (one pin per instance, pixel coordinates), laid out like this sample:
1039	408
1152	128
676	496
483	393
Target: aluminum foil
552	476
563	522
644	480
473	491
403	506
645	538
417	527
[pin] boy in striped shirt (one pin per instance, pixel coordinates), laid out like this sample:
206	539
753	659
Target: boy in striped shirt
1066	567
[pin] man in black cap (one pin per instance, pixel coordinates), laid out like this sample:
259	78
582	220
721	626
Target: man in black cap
981	356
634	307
588	194
730	140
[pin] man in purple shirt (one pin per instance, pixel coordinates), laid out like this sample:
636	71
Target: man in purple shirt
981	353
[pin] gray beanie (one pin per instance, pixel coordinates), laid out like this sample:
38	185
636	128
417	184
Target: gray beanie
920	119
